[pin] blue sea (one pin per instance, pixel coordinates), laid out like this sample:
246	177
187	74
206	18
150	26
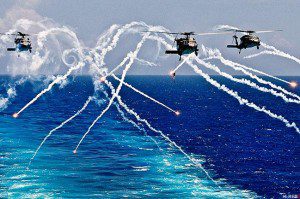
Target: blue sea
246	152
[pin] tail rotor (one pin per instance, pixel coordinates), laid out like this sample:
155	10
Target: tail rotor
235	39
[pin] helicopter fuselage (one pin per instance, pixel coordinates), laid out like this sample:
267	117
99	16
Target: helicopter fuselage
184	46
249	41
246	41
21	45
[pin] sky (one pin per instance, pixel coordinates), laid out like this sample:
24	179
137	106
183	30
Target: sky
89	18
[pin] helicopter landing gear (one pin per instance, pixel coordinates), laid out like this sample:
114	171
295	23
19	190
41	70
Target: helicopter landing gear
257	47
180	56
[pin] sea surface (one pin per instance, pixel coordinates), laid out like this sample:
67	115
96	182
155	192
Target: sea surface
247	153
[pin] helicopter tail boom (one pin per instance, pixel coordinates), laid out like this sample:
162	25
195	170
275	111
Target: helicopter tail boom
233	46
172	52
11	49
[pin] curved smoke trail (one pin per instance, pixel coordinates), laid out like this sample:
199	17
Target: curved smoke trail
216	54
60	126
56	81
247	82
106	44
132	56
138	118
241	100
123	114
273	51
42	37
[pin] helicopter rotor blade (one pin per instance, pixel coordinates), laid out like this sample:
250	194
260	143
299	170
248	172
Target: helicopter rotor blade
8	34
212	33
247	31
235	30
172	33
15	34
267	31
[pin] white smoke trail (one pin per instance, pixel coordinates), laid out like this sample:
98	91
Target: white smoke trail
225	27
161	40
117	67
123	62
100	58
145	95
247	82
184	60
36	59
102	43
77	113
123	114
60	126
260	80
215	54
232	93
236	66
40	55
132	56
106	37
56	81
41	37
116	39
193	160
273	51
73	115
145	62
241	100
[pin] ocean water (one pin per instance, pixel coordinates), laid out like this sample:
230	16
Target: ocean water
247	153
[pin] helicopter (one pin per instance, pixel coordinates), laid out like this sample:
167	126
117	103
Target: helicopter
186	44
249	40
22	42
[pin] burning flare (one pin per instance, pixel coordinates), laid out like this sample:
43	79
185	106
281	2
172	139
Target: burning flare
293	84
102	79
15	115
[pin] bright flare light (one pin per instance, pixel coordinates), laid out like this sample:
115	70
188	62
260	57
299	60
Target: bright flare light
74	151
293	84
15	115
171	73
177	113
102	79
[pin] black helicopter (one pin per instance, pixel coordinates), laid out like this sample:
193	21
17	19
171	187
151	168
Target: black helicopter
249	40
186	44
22	42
